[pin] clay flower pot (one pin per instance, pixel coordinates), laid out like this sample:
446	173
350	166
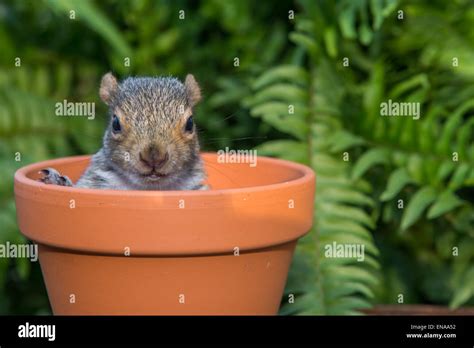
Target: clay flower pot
222	251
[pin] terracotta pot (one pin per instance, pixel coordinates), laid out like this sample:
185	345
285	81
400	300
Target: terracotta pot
222	251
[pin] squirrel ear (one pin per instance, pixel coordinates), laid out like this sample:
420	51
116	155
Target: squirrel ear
108	87
192	89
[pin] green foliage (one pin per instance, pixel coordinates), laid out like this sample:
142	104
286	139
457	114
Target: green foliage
87	11
296	99
403	176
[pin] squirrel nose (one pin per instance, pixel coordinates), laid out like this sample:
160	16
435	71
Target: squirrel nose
153	158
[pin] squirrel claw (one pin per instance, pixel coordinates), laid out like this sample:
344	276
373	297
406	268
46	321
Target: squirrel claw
53	177
44	171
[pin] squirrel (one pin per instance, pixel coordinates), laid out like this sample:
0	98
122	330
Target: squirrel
151	141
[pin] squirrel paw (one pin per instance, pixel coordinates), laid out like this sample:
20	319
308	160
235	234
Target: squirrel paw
53	177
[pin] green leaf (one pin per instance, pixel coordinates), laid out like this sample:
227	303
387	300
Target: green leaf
339	289
348	196
293	73
347	304
330	40
23	267
288	124
444	170
347	212
463	137
369	159
418	203
452	125
463	293
343	140
353	273
88	12
347	23
285	92
287	149
460	174
396	182
415	167
447	201
420	81
305	41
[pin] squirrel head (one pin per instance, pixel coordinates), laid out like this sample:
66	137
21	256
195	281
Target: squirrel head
151	138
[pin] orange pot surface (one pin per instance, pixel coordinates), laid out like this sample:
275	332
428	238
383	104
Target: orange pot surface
222	251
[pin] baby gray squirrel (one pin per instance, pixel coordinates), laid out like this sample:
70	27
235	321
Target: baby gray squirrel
151	141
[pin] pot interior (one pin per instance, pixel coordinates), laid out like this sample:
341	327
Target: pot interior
222	172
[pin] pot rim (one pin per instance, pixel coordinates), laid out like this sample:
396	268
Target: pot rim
20	177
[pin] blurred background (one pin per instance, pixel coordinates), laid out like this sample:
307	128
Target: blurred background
300	80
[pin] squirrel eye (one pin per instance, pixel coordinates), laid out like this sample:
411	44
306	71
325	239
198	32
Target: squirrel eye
189	125
116	124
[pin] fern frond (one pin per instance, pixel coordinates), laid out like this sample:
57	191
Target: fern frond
339	204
